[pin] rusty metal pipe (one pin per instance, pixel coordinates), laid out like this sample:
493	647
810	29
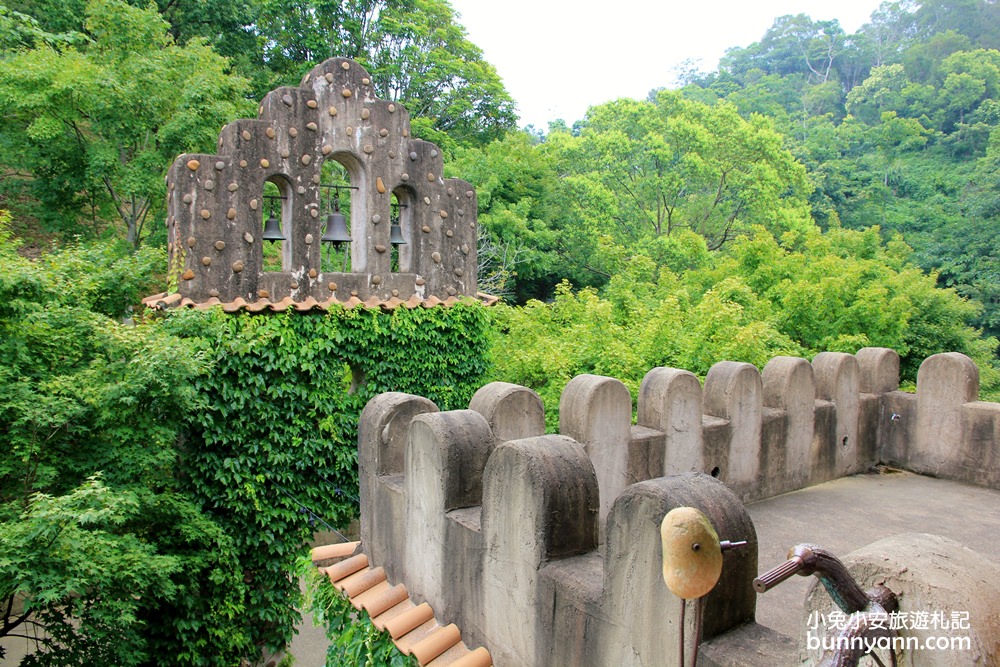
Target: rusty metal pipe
807	559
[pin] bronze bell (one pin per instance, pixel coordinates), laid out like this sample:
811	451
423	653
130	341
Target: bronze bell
396	234
272	230
336	229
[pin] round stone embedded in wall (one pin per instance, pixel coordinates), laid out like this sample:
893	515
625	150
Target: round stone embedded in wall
345	65
237	267
365	114
284	153
243	164
443	213
406	132
245	135
329	77
376	218
380	185
431	177
465	249
427	200
206	261
436	256
220	245
188	275
376	280
233	187
380	248
253	204
309	239
332	287
383	132
306	159
391	108
209	185
287	99
405	177
312	126
205	214
264	163
459	272
294	284
327	149
369	148
301	189
451	192
469	193
248	237
332	111
395	292
231	214
425	229
188	198
461	211
220	165
311	104
392	155
449	233
418	282
346	92
263	293
452	291
314	212
350	131
293	131
193	165
213	293
316	179
312	273
366	81
413	155
269	132
434	153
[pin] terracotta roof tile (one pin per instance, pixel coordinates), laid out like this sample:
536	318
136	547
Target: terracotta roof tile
412	628
163	301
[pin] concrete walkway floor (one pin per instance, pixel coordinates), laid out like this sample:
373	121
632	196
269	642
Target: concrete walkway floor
848	513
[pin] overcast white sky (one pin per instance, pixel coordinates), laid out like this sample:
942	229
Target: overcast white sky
558	57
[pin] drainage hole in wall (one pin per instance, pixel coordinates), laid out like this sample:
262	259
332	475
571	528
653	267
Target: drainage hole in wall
715	471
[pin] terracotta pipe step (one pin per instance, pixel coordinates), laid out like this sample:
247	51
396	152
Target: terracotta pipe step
405	623
478	658
360	582
328	551
436	643
346	568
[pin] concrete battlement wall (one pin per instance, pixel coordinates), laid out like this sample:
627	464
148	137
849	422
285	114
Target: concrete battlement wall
546	547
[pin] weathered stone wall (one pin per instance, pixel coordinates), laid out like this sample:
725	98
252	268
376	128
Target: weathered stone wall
216	207
546	548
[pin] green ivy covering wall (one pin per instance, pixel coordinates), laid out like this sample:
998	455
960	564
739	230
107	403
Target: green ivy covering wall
275	450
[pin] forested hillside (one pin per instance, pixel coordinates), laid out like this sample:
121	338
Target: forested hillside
816	191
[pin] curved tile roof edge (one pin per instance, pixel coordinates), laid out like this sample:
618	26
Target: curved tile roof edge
164	301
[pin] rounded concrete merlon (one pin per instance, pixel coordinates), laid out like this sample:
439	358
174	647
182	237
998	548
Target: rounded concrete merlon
540	502
596	411
879	368
512	411
945	382
838	380
670	401
940	585
446	453
382	435
643	615
789	385
734	392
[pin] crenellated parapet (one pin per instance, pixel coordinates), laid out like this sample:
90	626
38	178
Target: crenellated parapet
545	548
